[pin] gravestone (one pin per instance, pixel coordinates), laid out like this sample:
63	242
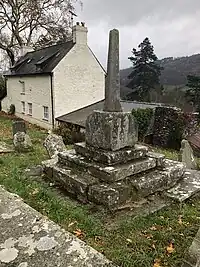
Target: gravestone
187	156
54	144
22	142
19	126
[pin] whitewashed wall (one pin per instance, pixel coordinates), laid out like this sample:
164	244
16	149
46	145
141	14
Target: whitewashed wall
79	80
37	92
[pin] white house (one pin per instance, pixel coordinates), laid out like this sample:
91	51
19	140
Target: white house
56	80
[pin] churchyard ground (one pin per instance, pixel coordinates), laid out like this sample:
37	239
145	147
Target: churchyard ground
158	240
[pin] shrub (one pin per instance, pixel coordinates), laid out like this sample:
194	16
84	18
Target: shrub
2	87
11	110
143	118
70	135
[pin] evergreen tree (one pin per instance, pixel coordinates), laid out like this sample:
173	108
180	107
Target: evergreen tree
146	71
193	93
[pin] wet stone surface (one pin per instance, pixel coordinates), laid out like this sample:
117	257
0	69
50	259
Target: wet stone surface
187	187
29	239
107	173
111	157
110	130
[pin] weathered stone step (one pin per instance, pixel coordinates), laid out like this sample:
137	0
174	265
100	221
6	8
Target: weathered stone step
158	180
74	182
111	157
108	174
188	186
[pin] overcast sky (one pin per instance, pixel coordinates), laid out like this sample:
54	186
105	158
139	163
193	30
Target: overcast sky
173	26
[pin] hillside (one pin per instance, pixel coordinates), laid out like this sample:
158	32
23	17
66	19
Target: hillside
175	70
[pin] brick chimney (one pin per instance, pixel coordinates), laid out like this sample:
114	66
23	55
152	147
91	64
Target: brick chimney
79	33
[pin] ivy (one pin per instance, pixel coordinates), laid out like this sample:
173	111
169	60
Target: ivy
143	118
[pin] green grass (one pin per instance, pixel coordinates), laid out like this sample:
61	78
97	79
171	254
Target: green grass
126	240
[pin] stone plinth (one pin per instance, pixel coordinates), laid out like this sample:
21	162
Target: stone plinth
103	172
111	157
111	130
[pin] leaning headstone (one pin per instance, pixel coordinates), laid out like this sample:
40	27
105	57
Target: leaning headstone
54	144
19	126
22	142
187	156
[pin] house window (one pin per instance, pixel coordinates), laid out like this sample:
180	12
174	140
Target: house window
46	113
23	107
22	87
30	109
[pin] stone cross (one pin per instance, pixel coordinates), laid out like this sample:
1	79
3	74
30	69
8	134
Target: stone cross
112	84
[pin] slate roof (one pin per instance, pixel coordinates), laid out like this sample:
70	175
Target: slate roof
41	61
79	116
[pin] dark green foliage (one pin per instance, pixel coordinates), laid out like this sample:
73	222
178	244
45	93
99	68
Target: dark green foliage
2	87
178	125
146	71
143	118
193	93
11	110
70	134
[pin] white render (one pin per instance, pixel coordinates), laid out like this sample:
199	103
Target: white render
37	92
77	81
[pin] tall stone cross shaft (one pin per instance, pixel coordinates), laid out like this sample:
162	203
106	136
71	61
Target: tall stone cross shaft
112	83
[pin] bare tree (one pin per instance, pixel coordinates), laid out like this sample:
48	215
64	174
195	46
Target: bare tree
34	23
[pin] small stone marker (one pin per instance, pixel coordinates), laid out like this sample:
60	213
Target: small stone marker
19	126
112	85
54	144
22	142
187	156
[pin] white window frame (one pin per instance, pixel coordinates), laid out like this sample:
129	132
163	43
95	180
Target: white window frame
23	107
45	113
30	109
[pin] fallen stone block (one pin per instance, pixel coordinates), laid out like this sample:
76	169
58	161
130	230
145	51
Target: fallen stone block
111	157
187	187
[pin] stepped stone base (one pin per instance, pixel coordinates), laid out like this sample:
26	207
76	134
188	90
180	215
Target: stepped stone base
111	157
106	173
120	185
